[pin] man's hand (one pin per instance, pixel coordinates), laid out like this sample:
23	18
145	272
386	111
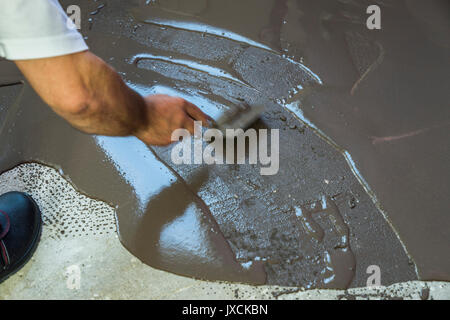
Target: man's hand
93	98
166	114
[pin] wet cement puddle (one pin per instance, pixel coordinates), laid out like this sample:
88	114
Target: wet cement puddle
389	110
312	225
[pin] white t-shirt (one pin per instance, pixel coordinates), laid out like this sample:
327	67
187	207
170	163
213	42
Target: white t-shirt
32	29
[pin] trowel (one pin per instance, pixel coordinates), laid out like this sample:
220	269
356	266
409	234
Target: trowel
238	117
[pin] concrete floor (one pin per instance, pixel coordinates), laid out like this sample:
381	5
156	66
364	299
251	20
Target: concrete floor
79	238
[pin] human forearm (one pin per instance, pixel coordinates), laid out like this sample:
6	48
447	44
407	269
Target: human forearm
88	93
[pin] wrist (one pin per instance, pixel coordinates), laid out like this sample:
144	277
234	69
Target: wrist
142	122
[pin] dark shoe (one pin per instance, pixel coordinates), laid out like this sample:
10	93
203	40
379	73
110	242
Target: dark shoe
20	229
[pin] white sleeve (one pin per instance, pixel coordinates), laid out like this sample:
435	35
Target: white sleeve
32	29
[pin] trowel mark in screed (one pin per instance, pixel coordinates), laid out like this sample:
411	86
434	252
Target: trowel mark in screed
378	140
193	65
94	13
191	26
100	7
340	260
366	56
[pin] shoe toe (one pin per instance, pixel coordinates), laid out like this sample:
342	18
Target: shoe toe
25	227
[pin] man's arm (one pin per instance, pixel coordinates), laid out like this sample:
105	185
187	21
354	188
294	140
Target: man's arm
89	94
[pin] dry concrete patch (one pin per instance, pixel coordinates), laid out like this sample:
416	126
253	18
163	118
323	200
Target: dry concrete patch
79	238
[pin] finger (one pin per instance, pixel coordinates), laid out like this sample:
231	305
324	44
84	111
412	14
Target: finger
195	113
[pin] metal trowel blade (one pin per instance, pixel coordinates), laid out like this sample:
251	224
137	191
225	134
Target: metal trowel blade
239	117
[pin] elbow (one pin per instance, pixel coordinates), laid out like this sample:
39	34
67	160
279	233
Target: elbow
76	104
